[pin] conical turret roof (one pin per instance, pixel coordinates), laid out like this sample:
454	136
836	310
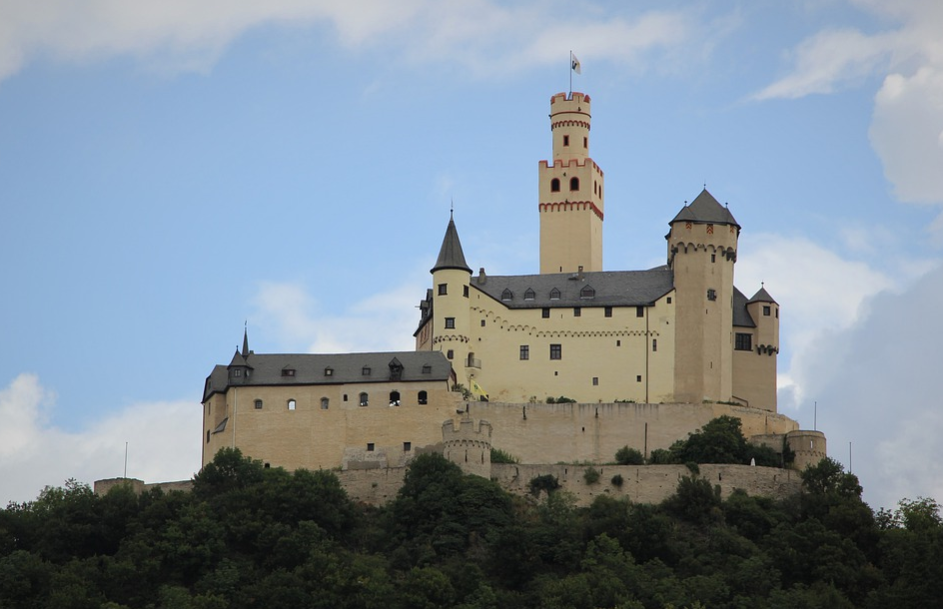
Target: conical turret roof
451	255
762	296
705	210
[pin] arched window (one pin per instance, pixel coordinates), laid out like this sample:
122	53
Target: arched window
587	293
363	398
507	295
292	404
529	294
574	183
555	185
325	403
554	294
423	397
394	398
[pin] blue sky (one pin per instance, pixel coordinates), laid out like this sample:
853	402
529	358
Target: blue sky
170	171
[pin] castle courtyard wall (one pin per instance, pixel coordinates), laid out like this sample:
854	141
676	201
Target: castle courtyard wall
555	433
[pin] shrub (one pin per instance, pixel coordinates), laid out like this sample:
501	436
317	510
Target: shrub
591	475
629	456
546	482
560	400
661	456
617	480
500	456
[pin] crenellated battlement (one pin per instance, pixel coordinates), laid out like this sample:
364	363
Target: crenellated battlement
561	102
562	164
468	446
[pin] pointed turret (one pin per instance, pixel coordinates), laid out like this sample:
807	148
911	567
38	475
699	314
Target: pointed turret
762	296
705	209
451	255
245	343
450	304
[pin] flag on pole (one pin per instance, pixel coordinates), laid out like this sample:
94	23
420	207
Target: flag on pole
575	63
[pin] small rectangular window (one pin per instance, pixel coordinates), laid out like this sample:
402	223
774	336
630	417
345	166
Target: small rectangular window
365	371
556	351
743	342
545	313
450	354
585	142
638	378
443	289
328	372
712	295
525	352
713	257
450	323
595	380
407	446
640	311
577	311
465	291
654	344
482	323
566	140
608	311
258	404
766	310
669	300
370	447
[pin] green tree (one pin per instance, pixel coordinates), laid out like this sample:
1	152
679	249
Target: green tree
629	456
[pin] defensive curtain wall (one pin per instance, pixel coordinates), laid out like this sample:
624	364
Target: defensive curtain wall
550	439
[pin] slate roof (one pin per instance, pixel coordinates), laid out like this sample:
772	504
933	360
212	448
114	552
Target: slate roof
763	296
705	209
741	317
451	255
266	369
611	288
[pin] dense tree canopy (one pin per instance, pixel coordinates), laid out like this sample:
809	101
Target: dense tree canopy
247	536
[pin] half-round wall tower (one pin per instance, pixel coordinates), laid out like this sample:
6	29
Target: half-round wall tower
467	446
571	192
809	447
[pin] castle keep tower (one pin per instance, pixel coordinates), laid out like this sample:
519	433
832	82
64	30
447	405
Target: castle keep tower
702	249
571	192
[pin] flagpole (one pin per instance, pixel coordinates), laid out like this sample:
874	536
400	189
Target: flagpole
570	70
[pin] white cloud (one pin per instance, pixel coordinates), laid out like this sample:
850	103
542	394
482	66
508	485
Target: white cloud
818	290
877	386
163	442
483	35
381	322
907	125
907	133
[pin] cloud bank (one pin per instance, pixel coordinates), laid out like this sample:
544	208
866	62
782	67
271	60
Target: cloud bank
163	442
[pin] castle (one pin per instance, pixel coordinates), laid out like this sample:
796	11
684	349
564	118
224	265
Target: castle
645	356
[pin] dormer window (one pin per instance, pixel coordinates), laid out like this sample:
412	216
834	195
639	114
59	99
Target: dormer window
587	293
529	294
328	372
507	295
554	294
236	372
288	372
365	371
427	369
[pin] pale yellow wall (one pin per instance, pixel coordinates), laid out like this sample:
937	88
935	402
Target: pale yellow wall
704	335
453	304
312	438
615	350
552	433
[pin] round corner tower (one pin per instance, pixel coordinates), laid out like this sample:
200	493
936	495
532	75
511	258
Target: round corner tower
468	446
571	192
702	250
